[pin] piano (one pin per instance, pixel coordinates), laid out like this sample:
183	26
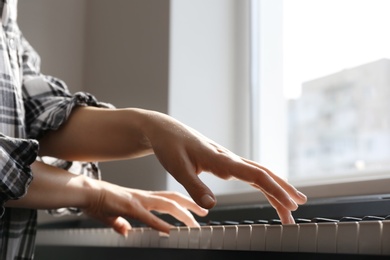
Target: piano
352	228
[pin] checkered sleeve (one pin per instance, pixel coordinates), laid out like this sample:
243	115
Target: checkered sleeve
48	103
47	100
16	156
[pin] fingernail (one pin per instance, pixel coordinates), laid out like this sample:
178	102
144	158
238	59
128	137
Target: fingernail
125	234
207	201
292	220
293	204
301	195
204	211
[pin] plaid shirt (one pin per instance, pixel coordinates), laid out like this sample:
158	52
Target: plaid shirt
30	105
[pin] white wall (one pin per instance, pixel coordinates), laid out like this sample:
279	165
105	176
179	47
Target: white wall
127	62
118	51
208	86
180	57
56	29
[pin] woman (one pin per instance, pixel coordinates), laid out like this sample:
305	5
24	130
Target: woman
51	141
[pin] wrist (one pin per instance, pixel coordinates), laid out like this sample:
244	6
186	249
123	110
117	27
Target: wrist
53	187
89	192
139	123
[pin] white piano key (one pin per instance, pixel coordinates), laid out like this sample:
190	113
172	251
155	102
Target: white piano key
89	237
155	237
193	238
173	240
137	236
49	237
115	237
347	237
307	241
258	236
129	240
122	241
74	236
364	237
109	237
164	240
184	232
326	237
290	235
145	239
133	238
205	237
217	237
230	237
273	238
385	243
70	235
243	237
370	233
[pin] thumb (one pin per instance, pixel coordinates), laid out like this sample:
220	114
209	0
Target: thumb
119	224
199	192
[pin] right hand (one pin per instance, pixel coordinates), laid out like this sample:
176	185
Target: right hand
110	204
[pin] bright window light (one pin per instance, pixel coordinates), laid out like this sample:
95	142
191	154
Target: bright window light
336	68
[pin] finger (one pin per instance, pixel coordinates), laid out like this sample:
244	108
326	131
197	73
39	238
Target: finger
298	196
184	201
150	219
227	165
165	205
140	209
260	179
253	173
283	213
199	192
119	224
184	172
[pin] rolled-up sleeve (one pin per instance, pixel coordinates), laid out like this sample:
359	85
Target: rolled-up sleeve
48	104
16	156
47	100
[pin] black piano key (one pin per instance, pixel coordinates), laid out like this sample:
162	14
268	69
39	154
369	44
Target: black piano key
247	222
302	220
320	220
368	218
347	219
261	221
274	221
214	223
229	223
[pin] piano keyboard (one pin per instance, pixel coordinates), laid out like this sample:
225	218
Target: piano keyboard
348	236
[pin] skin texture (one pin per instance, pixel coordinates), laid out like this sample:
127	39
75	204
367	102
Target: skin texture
99	134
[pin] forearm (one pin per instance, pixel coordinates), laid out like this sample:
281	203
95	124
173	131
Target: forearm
96	134
52	188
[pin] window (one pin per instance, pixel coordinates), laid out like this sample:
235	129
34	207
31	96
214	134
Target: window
319	80
321	91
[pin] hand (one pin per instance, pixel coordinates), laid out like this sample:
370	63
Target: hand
111	203
185	153
53	187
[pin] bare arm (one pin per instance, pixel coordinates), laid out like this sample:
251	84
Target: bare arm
55	188
97	134
100	134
